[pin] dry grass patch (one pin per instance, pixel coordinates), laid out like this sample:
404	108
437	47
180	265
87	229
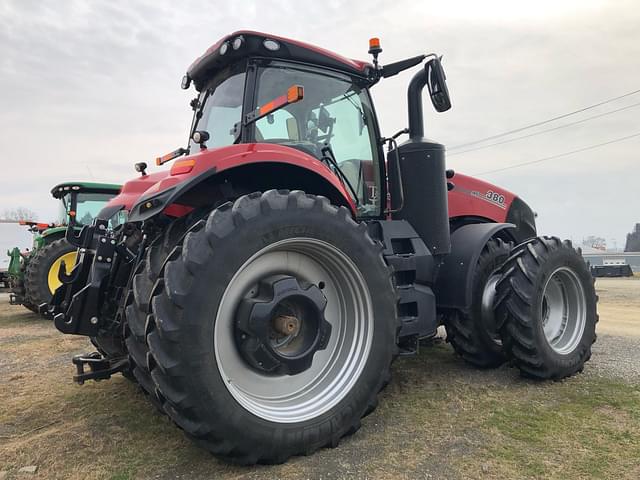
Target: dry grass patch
437	419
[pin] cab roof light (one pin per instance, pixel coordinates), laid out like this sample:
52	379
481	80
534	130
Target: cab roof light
271	45
374	45
375	49
238	42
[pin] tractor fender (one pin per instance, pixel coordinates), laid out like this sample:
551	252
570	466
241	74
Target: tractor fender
255	158
454	281
52	234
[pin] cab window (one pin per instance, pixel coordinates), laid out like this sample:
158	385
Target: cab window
222	109
335	113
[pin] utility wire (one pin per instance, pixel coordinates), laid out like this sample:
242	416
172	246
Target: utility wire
545	131
545	159
526	127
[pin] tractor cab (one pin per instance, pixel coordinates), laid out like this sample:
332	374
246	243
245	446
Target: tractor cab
333	121
80	202
34	274
258	88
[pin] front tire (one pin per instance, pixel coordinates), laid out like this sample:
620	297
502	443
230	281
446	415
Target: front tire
137	306
207	359
546	308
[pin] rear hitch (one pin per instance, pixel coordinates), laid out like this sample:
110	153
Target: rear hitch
99	367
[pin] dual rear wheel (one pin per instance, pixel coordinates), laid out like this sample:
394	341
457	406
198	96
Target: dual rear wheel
533	305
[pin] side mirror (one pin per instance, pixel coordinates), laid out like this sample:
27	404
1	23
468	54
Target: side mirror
437	83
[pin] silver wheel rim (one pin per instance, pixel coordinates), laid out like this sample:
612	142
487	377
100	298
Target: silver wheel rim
334	370
563	310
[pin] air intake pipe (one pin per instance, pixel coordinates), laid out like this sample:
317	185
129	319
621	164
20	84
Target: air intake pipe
419	167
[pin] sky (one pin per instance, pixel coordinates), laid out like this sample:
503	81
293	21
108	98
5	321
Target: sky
89	88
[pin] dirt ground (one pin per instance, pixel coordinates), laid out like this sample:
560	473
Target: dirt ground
437	419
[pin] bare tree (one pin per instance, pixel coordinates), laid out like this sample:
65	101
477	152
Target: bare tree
20	213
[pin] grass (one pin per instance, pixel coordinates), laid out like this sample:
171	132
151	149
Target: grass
586	426
594	422
437	419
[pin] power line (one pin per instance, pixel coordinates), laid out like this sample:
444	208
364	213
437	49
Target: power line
591	147
546	131
526	127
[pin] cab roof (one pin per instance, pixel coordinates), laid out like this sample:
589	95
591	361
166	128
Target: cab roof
84	187
256	44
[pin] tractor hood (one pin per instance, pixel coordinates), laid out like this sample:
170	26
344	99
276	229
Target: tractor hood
133	189
148	195
477	200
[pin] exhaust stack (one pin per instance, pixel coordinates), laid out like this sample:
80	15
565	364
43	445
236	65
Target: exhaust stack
420	168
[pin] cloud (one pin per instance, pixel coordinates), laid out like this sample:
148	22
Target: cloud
89	88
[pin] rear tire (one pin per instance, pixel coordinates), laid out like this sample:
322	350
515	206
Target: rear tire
237	411
546	308
17	288
38	288
474	336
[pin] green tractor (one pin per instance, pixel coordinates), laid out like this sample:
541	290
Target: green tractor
33	275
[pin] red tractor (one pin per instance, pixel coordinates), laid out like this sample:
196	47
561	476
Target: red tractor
262	286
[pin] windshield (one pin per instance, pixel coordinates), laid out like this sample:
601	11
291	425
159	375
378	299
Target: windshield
88	205
221	107
334	113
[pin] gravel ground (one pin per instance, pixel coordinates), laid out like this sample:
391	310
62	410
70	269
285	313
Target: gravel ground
617	357
617	350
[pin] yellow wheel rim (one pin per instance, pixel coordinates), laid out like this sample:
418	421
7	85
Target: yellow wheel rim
69	260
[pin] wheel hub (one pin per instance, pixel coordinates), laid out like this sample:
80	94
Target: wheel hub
281	325
487	306
563	310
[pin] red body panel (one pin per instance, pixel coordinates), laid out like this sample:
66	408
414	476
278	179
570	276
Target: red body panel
472	197
135	188
225	158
